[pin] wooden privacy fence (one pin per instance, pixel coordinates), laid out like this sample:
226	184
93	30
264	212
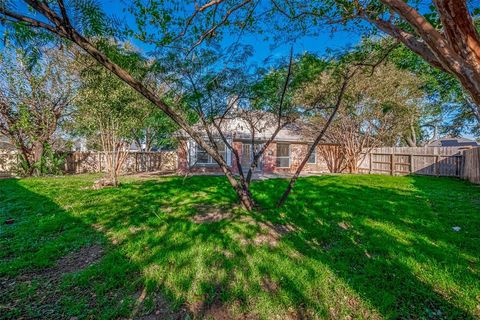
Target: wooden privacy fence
471	165
85	162
432	161
8	163
90	162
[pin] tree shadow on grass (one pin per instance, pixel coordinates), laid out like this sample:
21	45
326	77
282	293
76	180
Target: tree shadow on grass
375	240
358	250
387	244
55	266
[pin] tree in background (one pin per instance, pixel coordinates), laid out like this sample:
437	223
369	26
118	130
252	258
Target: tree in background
378	108
108	112
34	98
443	35
82	22
448	109
154	130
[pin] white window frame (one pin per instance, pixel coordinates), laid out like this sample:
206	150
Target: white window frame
195	147
314	154
283	157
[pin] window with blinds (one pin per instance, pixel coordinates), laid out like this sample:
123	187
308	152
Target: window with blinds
202	157
283	155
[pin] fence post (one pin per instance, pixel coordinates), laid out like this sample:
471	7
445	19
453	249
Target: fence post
392	164
437	166
135	166
370	163
410	161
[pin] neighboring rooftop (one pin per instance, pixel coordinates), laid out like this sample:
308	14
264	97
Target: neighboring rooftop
453	142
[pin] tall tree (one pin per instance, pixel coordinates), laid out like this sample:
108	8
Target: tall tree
55	17
444	34
105	115
378	109
110	113
448	109
34	96
345	85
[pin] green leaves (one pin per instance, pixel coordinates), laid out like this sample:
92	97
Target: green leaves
90	19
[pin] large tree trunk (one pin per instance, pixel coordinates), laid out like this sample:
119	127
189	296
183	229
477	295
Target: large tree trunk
411	137
37	151
455	49
334	156
63	28
319	137
241	190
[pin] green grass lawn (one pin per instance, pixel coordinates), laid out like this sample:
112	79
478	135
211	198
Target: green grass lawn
342	247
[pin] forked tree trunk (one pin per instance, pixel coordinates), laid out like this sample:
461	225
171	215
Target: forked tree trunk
241	189
334	156
319	137
68	32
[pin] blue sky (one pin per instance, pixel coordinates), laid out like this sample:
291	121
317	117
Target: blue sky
319	44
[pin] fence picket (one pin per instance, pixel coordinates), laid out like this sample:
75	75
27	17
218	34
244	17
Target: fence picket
434	161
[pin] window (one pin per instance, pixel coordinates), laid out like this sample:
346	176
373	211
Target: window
283	155
313	157
246	155
202	157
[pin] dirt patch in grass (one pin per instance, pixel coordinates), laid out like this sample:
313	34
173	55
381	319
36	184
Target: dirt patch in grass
72	262
208	308
217	311
151	175
159	308
211	213
78	260
269	285
214	308
270	233
209	305
42	285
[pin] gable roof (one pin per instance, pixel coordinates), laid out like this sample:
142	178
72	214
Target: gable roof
238	126
453	142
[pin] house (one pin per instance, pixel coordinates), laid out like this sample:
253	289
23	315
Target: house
453	142
283	155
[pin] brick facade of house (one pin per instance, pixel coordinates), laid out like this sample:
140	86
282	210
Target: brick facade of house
269	161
